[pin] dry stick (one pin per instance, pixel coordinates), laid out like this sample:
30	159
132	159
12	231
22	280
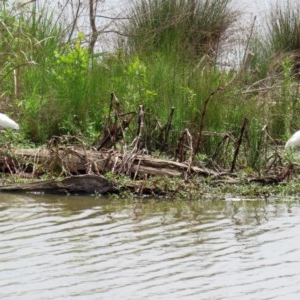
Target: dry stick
203	112
248	55
136	142
259	148
117	132
95	33
167	128
264	133
113	131
112	97
137	169
226	137
74	18
190	146
185	142
114	103
276	155
179	149
237	149
140	121
248	40
107	131
247	63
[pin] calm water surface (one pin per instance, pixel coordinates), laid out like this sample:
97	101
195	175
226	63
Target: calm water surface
88	248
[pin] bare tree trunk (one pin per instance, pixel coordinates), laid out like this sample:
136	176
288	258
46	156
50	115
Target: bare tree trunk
92	14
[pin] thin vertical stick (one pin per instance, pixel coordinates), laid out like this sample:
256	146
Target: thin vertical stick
16	81
167	128
248	40
202	116
140	121
237	149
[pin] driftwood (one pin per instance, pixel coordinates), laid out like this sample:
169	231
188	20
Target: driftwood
82	171
82	184
74	161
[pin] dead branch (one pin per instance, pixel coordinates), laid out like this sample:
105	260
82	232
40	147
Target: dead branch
135	145
115	124
239	142
166	129
185	146
75	160
202	117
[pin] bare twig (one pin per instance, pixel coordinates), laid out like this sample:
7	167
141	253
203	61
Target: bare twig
129	158
74	20
185	144
167	128
248	40
190	146
92	16
239	142
115	126
202	116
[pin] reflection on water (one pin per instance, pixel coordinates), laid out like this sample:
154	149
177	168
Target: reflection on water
89	248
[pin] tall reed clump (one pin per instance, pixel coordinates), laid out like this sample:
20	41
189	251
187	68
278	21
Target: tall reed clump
29	38
176	41
280	38
189	29
40	111
284	40
51	77
284	27
277	53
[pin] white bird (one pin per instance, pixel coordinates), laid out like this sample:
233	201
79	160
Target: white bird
293	141
7	122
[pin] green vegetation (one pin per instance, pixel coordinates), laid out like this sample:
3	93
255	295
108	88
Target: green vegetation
54	84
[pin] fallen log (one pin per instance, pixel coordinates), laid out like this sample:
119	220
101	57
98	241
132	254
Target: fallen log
81	184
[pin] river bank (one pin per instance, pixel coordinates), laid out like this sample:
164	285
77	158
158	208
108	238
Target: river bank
70	170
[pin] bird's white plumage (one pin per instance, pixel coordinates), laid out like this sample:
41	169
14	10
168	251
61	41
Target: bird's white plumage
293	141
7	122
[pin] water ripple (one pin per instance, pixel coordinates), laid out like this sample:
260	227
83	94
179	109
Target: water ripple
87	248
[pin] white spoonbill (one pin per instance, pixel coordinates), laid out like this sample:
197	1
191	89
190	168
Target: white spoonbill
293	141
7	122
